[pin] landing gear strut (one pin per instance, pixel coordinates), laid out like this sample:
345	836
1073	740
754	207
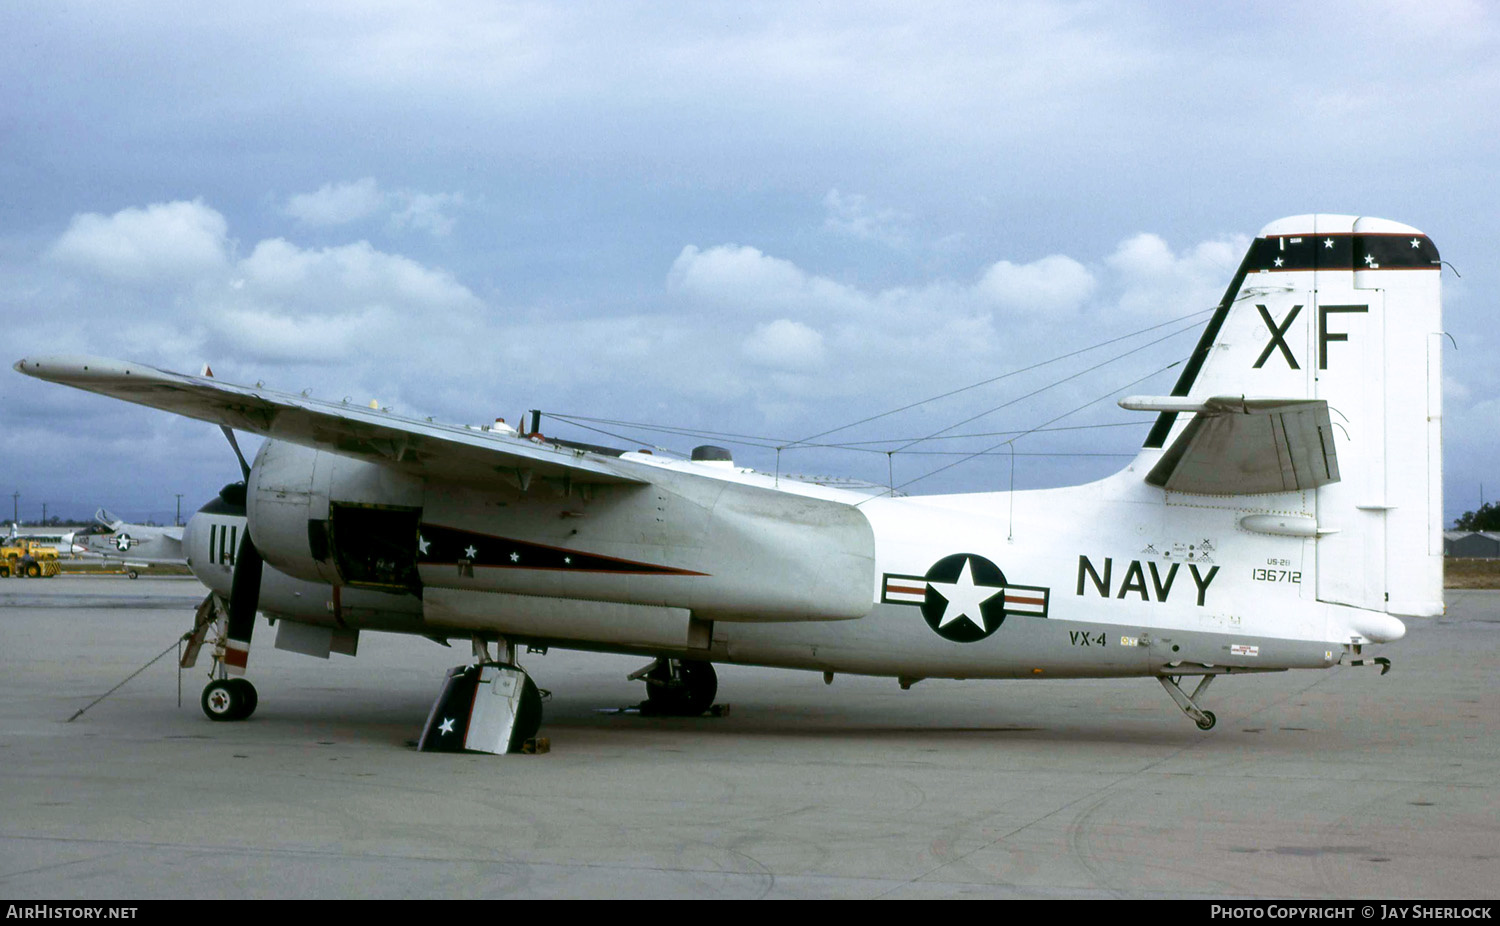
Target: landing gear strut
224	698
679	687
490	706
1204	719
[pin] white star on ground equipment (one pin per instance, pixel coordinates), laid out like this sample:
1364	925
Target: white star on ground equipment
965	598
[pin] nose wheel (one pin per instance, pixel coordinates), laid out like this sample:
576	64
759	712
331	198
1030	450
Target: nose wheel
229	699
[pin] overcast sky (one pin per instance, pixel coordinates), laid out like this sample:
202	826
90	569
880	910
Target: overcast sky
762	219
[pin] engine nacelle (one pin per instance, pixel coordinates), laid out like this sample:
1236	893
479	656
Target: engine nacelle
333	519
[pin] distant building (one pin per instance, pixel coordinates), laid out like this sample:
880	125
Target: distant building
1473	544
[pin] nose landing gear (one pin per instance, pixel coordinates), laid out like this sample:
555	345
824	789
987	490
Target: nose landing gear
224	698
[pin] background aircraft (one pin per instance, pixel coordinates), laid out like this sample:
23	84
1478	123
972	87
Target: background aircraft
135	545
66	543
1284	512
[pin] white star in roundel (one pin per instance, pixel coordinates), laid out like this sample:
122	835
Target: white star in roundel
446	726
423	543
470	552
964	599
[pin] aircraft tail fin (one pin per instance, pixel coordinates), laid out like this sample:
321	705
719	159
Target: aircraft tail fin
1321	374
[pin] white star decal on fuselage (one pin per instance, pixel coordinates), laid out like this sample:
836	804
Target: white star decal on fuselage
423	543
446	726
470	552
964	599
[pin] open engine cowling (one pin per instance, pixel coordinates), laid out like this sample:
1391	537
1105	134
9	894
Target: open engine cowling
329	518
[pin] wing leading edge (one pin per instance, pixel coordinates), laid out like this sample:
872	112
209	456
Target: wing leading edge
1241	446
420	447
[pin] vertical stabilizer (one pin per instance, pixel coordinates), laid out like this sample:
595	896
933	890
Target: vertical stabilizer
1347	310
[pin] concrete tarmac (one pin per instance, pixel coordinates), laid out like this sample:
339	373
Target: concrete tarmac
1315	784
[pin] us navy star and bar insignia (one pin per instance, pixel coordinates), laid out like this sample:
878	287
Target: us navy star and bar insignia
964	597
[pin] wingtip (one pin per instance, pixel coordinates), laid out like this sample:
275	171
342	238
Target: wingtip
78	369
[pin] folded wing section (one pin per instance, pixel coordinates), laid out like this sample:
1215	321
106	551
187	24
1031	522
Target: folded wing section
419	447
1244	446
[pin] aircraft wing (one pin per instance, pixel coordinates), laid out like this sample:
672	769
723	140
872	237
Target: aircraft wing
1245	446
421	447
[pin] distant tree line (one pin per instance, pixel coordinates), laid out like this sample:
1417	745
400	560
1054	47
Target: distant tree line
1487	518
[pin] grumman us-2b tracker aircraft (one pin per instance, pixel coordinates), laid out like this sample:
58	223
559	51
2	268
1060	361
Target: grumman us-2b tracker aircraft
1284	513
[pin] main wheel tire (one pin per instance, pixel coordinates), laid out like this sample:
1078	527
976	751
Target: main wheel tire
1208	721
528	713
689	695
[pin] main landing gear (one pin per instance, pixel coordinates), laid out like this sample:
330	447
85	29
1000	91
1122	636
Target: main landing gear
678	687
1204	719
224	698
490	706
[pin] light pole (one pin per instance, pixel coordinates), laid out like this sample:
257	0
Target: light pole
178	522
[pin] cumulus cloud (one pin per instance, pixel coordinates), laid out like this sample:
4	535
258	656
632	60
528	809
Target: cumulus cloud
359	273
1054	285
162	241
336	204
851	214
784	344
741	279
1152	280
746	339
283	304
428	212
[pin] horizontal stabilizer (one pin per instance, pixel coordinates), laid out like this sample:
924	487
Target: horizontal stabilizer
1245	446
421	447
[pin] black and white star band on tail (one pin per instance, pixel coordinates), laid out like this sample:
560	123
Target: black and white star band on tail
964	597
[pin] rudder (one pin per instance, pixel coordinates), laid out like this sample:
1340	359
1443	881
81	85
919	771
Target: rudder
1347	310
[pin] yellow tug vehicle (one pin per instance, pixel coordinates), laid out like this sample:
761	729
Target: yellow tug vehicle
24	559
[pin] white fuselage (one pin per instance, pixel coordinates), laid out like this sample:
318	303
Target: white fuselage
1112	578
